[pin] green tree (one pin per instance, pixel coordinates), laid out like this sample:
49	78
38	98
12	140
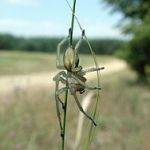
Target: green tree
6	41
138	50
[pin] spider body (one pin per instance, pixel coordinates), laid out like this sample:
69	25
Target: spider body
71	64
72	77
73	84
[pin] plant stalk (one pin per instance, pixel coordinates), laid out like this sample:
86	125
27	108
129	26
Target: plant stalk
72	22
64	120
66	95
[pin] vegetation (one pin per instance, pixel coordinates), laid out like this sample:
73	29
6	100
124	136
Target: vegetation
43	44
18	62
139	57
28	117
138	51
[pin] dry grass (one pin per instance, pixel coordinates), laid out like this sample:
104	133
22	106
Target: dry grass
28	117
17	62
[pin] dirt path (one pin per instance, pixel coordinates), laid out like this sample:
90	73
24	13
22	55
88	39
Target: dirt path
9	83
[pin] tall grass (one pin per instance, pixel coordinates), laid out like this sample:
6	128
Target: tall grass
28	117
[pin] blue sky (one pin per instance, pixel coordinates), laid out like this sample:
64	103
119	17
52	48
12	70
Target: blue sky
52	18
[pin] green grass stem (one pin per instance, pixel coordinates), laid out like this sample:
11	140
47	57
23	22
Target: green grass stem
66	96
64	120
72	22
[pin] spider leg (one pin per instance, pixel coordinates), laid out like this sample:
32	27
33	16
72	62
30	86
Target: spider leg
79	68
58	91
80	41
58	111
57	107
58	79
85	85
57	76
59	46
81	109
92	69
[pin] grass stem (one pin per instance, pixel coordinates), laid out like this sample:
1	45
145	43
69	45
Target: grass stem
72	21
64	120
66	95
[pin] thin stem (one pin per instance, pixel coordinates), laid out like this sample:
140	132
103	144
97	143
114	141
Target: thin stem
66	96
72	22
64	120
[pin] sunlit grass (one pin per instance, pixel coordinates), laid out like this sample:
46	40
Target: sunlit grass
17	62
24	62
28	117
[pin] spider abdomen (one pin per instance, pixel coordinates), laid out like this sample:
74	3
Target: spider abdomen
70	59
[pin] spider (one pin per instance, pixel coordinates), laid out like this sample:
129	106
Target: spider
72	76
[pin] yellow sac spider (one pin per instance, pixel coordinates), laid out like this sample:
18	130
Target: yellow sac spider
72	76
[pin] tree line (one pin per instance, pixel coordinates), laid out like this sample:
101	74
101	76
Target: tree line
45	44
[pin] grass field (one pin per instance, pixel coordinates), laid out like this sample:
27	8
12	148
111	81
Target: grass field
28	116
24	62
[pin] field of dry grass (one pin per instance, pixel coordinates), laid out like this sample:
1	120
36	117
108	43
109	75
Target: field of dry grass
28	118
17	62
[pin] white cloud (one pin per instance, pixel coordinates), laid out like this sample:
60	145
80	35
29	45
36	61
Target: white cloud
51	28
10	23
101	29
22	2
32	28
